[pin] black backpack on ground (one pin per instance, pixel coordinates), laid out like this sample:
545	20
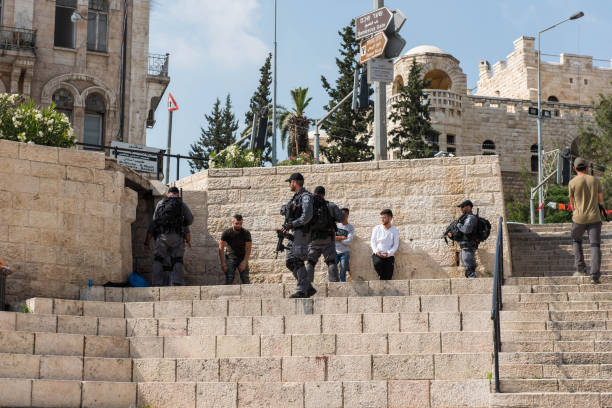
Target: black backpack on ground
169	215
322	223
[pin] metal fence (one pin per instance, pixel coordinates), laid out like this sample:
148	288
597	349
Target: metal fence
12	38
159	156
158	65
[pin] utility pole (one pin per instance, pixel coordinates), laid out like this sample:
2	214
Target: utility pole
380	111
274	96
167	178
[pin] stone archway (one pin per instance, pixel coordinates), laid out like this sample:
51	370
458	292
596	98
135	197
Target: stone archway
439	80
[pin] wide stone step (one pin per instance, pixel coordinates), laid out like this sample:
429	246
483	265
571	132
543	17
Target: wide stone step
563	371
553	280
551	399
284	290
268	324
265	306
557	325
222	346
556	385
562	297
554	358
349	394
557	306
250	369
557	346
559	335
555	315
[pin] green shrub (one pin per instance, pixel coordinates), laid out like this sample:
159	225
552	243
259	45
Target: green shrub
22	121
235	157
300	159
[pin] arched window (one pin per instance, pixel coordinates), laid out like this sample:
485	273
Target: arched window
438	80
97	25
94	119
488	147
553	98
62	99
534	157
399	81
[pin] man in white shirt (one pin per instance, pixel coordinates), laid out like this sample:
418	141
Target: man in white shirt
384	243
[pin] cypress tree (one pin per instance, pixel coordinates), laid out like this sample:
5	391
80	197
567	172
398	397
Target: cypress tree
347	131
218	134
413	135
261	98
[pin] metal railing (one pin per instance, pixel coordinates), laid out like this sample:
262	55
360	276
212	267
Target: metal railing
3	274
158	65
12	38
159	156
498	281
438	98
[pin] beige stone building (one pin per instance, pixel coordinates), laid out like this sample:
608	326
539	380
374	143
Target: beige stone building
89	57
495	119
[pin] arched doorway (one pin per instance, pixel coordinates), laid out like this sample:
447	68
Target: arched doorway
438	79
399	81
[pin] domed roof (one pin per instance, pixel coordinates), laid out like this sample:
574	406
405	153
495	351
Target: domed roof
422	49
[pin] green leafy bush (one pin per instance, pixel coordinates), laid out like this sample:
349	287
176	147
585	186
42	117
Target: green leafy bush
22	121
300	159
235	157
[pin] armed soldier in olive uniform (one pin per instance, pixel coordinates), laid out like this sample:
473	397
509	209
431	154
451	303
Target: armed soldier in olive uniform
298	213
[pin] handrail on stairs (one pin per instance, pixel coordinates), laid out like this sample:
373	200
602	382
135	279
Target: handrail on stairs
498	281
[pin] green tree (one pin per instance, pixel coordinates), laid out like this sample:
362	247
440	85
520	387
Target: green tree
413	134
294	123
595	141
347	130
219	134
261	99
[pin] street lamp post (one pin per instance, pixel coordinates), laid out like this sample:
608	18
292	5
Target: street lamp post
540	170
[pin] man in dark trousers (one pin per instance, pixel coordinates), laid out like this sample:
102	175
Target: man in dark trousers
467	225
322	235
384	243
170	228
298	213
234	251
586	199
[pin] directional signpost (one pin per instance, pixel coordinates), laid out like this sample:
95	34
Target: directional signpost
372	22
373	48
380	42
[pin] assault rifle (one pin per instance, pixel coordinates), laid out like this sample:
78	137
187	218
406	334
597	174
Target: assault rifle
453	230
287	211
280	247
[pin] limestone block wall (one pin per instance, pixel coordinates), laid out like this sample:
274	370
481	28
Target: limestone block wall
573	79
423	195
64	219
508	124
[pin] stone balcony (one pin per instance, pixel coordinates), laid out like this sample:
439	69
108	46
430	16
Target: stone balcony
158	79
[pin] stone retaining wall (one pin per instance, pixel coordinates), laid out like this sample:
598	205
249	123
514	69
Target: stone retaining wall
423	195
65	218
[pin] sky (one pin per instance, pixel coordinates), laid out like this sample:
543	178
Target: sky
217	47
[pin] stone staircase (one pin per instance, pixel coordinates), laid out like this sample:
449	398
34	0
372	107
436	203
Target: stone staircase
546	250
418	343
556	343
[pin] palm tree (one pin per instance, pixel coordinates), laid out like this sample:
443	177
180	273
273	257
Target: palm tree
295	123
